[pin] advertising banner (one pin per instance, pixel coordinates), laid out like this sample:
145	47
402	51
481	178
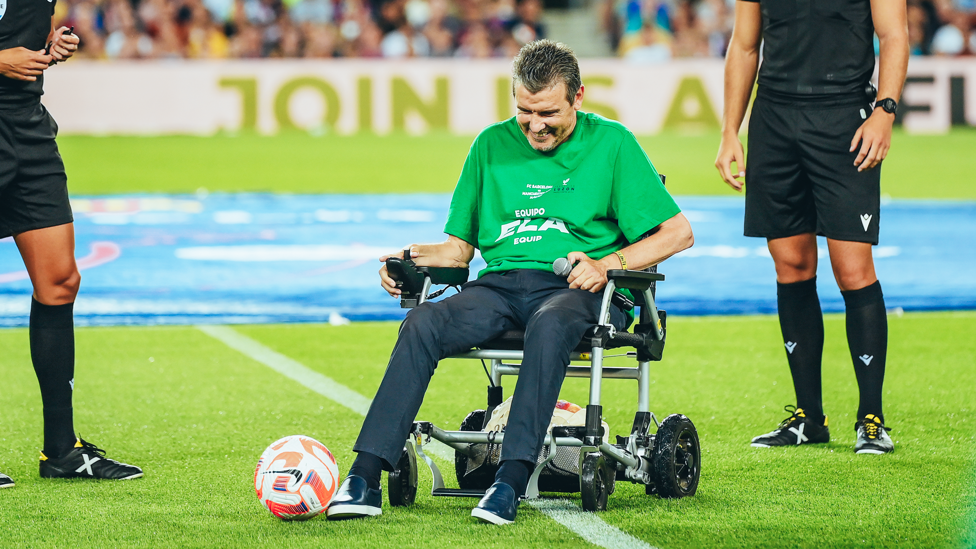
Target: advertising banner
420	96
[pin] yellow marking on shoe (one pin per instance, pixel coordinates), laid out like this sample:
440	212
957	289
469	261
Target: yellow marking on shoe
800	413
43	457
825	421
78	443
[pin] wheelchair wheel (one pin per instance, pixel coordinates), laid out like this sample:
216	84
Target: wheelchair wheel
676	461
402	480
482	477
595	482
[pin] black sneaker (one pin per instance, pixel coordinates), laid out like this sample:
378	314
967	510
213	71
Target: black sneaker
5	481
794	430
86	460
872	436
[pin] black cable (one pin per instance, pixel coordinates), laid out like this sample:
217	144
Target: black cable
485	366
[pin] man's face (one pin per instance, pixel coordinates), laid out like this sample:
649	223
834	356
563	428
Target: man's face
547	118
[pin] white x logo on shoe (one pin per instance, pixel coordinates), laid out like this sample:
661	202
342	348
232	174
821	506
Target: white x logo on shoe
800	437
89	463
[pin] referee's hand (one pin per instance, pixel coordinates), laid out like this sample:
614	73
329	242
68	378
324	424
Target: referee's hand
23	64
728	152
874	135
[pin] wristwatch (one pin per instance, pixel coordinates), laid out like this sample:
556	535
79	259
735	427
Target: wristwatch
888	104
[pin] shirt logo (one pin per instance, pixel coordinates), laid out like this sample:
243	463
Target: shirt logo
3	8
534	191
525	225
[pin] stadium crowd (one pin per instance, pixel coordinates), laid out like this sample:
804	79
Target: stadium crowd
644	31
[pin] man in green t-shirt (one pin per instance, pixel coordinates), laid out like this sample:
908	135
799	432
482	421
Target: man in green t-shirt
551	182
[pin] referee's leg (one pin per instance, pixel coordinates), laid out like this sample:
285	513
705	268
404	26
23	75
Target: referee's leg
800	317
49	255
867	322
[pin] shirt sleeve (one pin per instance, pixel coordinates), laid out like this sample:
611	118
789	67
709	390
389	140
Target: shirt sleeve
639	202
462	217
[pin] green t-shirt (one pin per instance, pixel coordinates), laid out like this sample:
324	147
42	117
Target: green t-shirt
595	193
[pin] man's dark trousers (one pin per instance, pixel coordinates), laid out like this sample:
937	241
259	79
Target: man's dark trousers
554	318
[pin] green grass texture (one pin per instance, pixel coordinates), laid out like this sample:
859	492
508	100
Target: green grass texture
197	414
918	166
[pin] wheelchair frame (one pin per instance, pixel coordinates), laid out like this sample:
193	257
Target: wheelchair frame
667	463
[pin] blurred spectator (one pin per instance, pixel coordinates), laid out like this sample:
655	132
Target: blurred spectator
642	31
652	48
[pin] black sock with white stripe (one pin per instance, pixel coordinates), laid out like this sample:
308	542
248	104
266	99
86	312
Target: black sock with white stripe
52	346
801	322
867	337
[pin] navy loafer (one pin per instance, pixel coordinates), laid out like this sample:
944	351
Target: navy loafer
355	499
498	506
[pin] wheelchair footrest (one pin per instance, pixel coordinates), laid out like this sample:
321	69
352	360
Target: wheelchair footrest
458	493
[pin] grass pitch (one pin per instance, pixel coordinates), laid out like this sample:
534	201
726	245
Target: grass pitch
917	166
196	415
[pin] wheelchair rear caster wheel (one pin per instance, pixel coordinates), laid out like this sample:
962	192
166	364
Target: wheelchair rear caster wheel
402	480
676	462
596	482
482	477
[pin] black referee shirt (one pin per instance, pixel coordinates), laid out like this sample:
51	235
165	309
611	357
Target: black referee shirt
24	23
816	48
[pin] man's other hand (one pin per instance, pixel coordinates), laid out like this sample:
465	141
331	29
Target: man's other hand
875	138
64	45
388	284
589	274
23	64
728	152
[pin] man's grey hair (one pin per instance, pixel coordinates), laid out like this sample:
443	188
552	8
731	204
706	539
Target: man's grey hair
543	64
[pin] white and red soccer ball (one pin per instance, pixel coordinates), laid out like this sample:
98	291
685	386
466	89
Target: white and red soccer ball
296	478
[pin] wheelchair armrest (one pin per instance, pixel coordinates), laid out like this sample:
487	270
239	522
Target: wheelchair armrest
633	280
452	276
414	282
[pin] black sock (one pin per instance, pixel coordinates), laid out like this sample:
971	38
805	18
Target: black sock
867	337
515	473
368	466
52	346
801	322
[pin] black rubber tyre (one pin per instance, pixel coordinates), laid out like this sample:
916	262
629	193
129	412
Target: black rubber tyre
482	478
594	482
402	480
676	460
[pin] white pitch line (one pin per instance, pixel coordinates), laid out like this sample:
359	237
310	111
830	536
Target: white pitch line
586	525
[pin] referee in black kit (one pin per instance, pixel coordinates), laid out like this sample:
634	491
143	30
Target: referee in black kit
816	141
34	209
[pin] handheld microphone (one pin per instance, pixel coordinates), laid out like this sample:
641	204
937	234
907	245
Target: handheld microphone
562	267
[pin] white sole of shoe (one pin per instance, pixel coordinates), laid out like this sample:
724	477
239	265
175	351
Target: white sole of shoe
130	477
11	485
875	452
760	445
352	511
481	514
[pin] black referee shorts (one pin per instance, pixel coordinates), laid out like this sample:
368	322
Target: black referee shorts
800	173
33	184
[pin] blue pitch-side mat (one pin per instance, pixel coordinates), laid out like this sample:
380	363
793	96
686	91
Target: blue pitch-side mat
234	258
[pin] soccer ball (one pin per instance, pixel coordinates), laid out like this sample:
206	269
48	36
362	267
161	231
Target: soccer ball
296	478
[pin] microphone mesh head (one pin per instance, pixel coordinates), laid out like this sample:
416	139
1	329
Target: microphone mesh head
562	267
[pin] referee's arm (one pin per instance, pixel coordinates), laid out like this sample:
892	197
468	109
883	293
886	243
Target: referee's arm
741	65
891	25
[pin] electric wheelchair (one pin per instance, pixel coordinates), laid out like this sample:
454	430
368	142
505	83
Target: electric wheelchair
666	462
